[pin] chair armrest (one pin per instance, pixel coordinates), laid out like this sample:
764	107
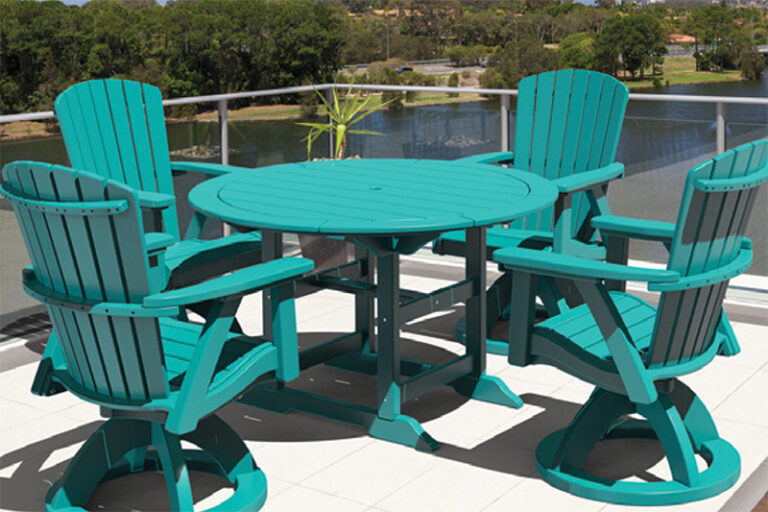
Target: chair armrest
156	241
208	168
39	291
239	282
739	264
499	157
589	179
579	269
628	227
154	199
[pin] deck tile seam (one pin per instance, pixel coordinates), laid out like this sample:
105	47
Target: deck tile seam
727	398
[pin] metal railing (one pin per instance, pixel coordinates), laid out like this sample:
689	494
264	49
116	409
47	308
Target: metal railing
222	101
758	284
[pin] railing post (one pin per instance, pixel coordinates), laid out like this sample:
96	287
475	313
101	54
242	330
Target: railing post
223	132
329	98
505	122
720	125
224	144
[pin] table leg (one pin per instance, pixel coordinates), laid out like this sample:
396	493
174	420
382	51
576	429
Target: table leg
478	385
271	249
389	424
364	303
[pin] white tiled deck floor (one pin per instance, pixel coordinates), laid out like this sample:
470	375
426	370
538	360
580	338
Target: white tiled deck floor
486	462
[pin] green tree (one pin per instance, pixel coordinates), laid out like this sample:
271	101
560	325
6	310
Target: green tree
508	66
714	27
607	46
577	51
632	42
751	63
465	55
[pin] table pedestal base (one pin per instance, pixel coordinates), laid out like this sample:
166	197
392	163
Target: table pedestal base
398	380
486	388
401	429
387	423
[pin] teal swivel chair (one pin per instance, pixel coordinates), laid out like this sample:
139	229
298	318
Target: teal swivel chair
116	128
567	130
634	352
121	344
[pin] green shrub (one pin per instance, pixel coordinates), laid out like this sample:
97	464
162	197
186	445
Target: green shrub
751	63
308	103
453	81
466	55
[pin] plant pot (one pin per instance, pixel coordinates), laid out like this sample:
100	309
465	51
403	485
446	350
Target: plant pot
326	252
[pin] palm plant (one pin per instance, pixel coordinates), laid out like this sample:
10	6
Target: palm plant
341	115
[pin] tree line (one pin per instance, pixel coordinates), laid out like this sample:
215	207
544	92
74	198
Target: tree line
196	47
186	48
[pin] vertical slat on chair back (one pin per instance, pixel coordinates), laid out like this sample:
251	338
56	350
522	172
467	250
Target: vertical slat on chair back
116	128
710	228
100	257
567	122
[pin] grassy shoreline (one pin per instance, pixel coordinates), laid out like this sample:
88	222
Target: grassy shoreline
677	71
682	71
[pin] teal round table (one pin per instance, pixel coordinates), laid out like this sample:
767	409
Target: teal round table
386	207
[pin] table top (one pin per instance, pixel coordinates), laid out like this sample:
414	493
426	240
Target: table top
373	196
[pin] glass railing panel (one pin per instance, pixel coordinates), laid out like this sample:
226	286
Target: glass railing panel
14	303
660	143
260	143
48	149
445	131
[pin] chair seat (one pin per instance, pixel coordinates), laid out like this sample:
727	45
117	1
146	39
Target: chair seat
578	327
496	238
197	251
180	341
194	260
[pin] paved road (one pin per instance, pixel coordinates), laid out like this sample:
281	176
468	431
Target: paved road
432	69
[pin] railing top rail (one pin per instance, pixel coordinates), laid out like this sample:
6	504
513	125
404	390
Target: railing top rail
213	98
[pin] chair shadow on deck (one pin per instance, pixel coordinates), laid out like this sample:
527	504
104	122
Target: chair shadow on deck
514	450
511	451
261	425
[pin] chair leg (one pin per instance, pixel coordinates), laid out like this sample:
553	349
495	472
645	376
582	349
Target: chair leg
698	422
678	419
174	468
101	454
498	307
595	418
671	432
136	458
53	357
119	447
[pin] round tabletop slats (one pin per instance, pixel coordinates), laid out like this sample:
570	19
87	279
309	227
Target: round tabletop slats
385	197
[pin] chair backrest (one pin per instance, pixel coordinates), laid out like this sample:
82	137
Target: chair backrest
116	128
567	122
709	232
86	243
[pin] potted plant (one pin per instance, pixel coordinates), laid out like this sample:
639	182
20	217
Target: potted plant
342	113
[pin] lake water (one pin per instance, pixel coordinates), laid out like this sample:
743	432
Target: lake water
660	141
